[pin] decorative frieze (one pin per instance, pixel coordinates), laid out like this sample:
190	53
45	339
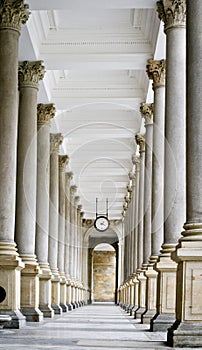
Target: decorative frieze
30	73
13	14
44	113
63	161
172	13
147	112
55	142
156	71
140	140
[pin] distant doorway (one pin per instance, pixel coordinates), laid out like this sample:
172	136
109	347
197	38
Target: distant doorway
104	273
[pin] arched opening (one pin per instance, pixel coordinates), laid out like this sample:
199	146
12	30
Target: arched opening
104	273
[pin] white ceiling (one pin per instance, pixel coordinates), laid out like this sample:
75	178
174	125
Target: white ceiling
95	53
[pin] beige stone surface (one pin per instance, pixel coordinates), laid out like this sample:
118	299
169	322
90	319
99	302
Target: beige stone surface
104	275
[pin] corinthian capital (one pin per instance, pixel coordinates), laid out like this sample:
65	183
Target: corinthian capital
13	14
30	73
63	161
172	13
140	140
73	190
55	142
156	71
44	113
147	112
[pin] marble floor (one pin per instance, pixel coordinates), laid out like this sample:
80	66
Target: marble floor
98	326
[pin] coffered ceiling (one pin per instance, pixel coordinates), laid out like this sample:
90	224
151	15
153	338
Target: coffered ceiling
95	53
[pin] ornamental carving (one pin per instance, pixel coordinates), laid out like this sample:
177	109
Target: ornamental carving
13	14
79	207
73	189
172	13
44	113
70	175
147	112
30	73
87	223
140	140
55	142
76	199
156	71
132	177
62	162
136	161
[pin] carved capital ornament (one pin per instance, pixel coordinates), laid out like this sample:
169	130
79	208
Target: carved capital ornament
13	14
172	13
141	142
30	73
147	112
55	142
44	113
63	161
156	71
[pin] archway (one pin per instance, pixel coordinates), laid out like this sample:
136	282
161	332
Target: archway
104	273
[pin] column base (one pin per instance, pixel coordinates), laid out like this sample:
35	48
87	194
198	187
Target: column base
17	319
139	312
185	335
161	323
70	307
148	316
64	307
32	315
57	309
30	288
45	291
55	292
10	279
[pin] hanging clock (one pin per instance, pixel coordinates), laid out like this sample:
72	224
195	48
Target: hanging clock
101	223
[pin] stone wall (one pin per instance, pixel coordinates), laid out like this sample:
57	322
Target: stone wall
104	263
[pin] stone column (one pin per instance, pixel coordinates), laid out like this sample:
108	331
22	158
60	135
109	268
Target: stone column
73	190
68	178
187	330
140	273
12	16
25	229
76	201
44	113
156	72
173	13
63	160
55	142
147	113
133	198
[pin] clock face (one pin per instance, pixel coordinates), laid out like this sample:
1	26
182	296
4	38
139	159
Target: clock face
101	223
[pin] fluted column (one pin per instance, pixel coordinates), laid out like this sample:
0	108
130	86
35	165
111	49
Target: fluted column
140	274
29	75
132	178
173	13
156	72
55	142
187	330
44	114
147	113
73	190
63	160
12	16
68	177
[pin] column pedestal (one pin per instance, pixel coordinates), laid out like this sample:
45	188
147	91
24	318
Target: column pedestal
45	291
55	293
69	295
30	282
63	296
142	294
11	266
151	275
166	293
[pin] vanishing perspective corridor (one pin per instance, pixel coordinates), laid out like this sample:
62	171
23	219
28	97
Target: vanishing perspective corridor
98	326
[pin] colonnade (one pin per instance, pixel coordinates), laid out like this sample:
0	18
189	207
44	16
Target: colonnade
163	286
40	215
